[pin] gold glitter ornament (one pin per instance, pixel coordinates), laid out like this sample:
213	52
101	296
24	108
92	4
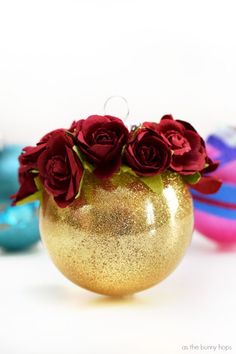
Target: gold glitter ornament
119	237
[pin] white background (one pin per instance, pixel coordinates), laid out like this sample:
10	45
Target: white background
41	312
59	61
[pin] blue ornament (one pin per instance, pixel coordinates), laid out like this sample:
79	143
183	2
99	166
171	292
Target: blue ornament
18	225
9	170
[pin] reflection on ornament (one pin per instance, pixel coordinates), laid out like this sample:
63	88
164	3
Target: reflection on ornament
18	225
119	237
215	215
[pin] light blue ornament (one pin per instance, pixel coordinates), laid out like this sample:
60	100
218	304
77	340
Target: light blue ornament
18	225
9	170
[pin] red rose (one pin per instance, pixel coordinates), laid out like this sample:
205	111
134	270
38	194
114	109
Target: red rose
147	153
60	169
29	161
101	139
188	148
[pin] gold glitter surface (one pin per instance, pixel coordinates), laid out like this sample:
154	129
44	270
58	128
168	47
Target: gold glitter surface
119	237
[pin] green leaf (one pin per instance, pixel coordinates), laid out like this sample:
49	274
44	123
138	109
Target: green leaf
38	183
86	165
36	196
127	169
154	183
78	153
192	179
80	186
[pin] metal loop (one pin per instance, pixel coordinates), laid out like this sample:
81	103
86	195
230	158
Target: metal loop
120	97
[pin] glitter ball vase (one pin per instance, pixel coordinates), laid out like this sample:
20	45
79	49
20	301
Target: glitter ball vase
119	237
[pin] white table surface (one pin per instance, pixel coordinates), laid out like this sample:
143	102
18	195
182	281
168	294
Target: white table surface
41	312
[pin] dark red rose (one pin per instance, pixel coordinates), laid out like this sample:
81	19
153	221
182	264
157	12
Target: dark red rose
147	153
101	140
29	162
60	169
188	148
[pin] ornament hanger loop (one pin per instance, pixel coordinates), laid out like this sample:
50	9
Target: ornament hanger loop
115	97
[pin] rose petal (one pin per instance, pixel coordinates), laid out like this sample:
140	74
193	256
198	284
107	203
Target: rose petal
106	171
147	153
27	188
207	185
186	125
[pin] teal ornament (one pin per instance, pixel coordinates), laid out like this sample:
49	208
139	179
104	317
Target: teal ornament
18	225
